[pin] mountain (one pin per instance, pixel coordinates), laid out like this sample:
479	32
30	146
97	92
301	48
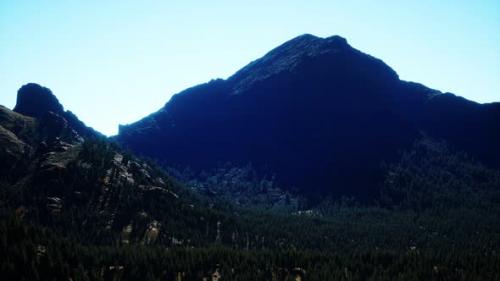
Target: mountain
318	113
76	206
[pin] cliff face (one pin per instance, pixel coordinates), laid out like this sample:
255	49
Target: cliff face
320	114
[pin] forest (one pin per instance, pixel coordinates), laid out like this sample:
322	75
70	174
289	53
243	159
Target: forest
434	219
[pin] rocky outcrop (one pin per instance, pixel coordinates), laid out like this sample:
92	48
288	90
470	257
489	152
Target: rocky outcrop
34	100
59	154
39	102
152	232
126	233
54	205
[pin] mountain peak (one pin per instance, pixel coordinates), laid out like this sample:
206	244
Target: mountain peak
288	56
35	100
308	40
304	38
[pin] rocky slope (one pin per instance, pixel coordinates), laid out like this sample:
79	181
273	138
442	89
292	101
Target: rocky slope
60	173
320	114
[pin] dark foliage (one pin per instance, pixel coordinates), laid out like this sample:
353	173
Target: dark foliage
407	237
243	186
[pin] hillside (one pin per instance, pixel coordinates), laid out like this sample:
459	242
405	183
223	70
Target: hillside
81	208
87	185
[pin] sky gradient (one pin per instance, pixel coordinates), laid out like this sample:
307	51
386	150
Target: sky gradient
114	62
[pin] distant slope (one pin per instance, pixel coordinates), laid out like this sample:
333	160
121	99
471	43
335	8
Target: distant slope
320	114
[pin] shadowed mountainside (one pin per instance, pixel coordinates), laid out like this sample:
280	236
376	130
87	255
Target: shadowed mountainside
320	114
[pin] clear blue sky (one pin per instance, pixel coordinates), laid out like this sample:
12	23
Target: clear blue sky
113	62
